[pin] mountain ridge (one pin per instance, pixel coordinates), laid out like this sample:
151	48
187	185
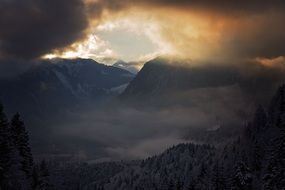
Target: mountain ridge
162	77
68	80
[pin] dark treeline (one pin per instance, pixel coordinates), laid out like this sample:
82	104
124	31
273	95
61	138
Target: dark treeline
17	168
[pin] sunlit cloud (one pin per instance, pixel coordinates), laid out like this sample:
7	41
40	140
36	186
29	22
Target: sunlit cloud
93	47
136	35
199	31
274	62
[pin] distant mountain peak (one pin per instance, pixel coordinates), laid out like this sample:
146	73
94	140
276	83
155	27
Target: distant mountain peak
169	60
120	63
129	66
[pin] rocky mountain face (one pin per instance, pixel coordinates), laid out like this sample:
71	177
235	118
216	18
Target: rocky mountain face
51	86
162	76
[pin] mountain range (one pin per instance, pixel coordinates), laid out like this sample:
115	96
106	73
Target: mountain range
251	159
51	86
51	93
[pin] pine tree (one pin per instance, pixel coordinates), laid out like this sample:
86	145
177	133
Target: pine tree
170	185
35	178
21	140
218	180
281	157
191	186
5	150
202	177
242	179
260	119
275	169
269	177
178	185
11	160
257	157
190	183
277	108
44	182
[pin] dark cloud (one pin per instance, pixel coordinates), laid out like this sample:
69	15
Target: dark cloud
253	28
261	36
223	6
12	67
31	28
226	6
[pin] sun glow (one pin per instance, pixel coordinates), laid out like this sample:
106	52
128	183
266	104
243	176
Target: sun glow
93	47
140	36
130	38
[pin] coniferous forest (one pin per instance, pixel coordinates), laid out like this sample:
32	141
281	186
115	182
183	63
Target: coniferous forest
253	160
18	169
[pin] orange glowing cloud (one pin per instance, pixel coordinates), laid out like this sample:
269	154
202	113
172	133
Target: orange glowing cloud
217	31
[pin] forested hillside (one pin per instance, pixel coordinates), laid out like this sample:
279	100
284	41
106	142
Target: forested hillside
254	160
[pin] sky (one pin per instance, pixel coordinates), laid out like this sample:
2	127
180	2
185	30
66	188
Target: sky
139	30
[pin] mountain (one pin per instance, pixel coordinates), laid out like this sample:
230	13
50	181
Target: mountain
126	66
61	84
233	88
53	92
222	96
161	76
